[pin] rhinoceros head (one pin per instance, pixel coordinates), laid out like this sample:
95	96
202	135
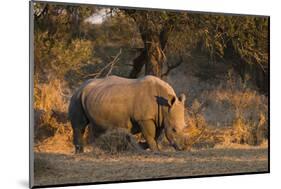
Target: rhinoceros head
174	122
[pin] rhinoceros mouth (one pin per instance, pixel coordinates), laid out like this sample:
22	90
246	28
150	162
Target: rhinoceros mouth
176	146
172	143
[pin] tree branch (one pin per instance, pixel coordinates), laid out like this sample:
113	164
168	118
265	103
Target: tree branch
45	9
110	65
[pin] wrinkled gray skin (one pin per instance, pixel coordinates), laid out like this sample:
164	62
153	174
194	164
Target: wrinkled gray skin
147	105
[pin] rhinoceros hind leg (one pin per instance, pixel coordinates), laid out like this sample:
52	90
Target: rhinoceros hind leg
149	132
78	134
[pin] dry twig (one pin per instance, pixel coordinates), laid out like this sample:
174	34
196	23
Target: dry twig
110	65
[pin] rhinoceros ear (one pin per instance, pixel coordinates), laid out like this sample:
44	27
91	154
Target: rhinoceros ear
171	100
166	101
182	98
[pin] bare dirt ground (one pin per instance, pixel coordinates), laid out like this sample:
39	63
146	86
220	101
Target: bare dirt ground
67	168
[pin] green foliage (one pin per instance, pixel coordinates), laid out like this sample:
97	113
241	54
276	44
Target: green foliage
116	31
246	35
223	37
60	45
64	40
59	39
59	57
61	21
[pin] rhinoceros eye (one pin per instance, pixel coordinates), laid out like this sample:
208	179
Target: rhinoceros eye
174	130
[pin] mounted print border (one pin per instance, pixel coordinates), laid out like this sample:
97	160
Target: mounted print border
127	94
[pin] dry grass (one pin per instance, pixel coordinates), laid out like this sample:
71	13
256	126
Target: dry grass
50	96
61	142
50	110
249	123
248	131
196	125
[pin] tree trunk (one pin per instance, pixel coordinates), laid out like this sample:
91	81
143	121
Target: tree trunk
152	55
154	38
138	64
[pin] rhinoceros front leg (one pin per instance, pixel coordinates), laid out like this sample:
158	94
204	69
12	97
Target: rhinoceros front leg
149	132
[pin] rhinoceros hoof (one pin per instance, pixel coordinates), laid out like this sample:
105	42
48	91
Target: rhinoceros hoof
79	149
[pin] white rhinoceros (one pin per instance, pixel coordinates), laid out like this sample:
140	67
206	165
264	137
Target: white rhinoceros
147	105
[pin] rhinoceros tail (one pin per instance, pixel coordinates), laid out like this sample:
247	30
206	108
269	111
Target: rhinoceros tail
76	113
